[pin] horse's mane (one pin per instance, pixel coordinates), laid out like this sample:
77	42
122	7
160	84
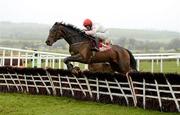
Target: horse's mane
81	32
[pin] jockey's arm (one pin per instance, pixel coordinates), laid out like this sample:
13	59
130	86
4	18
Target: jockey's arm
91	32
94	30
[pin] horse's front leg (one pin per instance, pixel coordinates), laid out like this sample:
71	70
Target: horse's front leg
73	58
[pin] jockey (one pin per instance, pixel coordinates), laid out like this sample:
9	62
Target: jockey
96	30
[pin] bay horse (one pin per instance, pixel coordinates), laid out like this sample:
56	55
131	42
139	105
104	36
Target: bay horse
120	59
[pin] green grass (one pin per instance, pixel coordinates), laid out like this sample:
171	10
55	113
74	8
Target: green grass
169	66
24	104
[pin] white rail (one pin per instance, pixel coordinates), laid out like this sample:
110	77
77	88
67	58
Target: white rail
39	59
31	58
157	57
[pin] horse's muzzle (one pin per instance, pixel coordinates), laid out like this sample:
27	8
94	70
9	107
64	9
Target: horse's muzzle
48	43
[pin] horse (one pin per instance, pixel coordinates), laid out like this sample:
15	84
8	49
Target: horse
100	67
120	59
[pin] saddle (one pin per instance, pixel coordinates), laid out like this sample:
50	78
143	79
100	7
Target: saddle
101	45
104	47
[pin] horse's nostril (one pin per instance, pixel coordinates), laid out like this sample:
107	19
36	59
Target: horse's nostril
47	42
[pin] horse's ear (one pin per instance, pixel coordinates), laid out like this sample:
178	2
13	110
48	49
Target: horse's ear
56	23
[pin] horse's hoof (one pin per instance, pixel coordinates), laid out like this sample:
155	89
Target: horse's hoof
76	70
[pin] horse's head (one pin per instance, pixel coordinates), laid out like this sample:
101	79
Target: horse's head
55	33
70	33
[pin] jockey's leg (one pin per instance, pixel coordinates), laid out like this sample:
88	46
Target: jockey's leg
95	45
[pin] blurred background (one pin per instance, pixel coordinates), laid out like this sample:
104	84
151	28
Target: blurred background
140	25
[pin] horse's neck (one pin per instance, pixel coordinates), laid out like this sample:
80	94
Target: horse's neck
79	44
76	39
73	37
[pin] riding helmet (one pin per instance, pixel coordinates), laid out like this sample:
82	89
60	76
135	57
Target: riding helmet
87	22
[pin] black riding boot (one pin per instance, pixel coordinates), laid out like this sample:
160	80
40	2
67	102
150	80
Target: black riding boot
95	45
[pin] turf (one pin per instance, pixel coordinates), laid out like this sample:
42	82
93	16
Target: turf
25	104
169	66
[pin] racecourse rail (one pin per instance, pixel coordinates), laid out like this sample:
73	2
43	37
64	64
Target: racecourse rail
159	91
41	59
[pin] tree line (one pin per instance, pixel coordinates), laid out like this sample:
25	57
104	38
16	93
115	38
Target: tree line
147	46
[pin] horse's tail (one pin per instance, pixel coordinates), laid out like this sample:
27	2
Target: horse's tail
133	63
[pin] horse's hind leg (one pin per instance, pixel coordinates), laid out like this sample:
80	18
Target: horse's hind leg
120	67
115	66
125	67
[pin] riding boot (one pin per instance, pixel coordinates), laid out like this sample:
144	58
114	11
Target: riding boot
95	46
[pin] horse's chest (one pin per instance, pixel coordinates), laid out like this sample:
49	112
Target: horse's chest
82	49
73	51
